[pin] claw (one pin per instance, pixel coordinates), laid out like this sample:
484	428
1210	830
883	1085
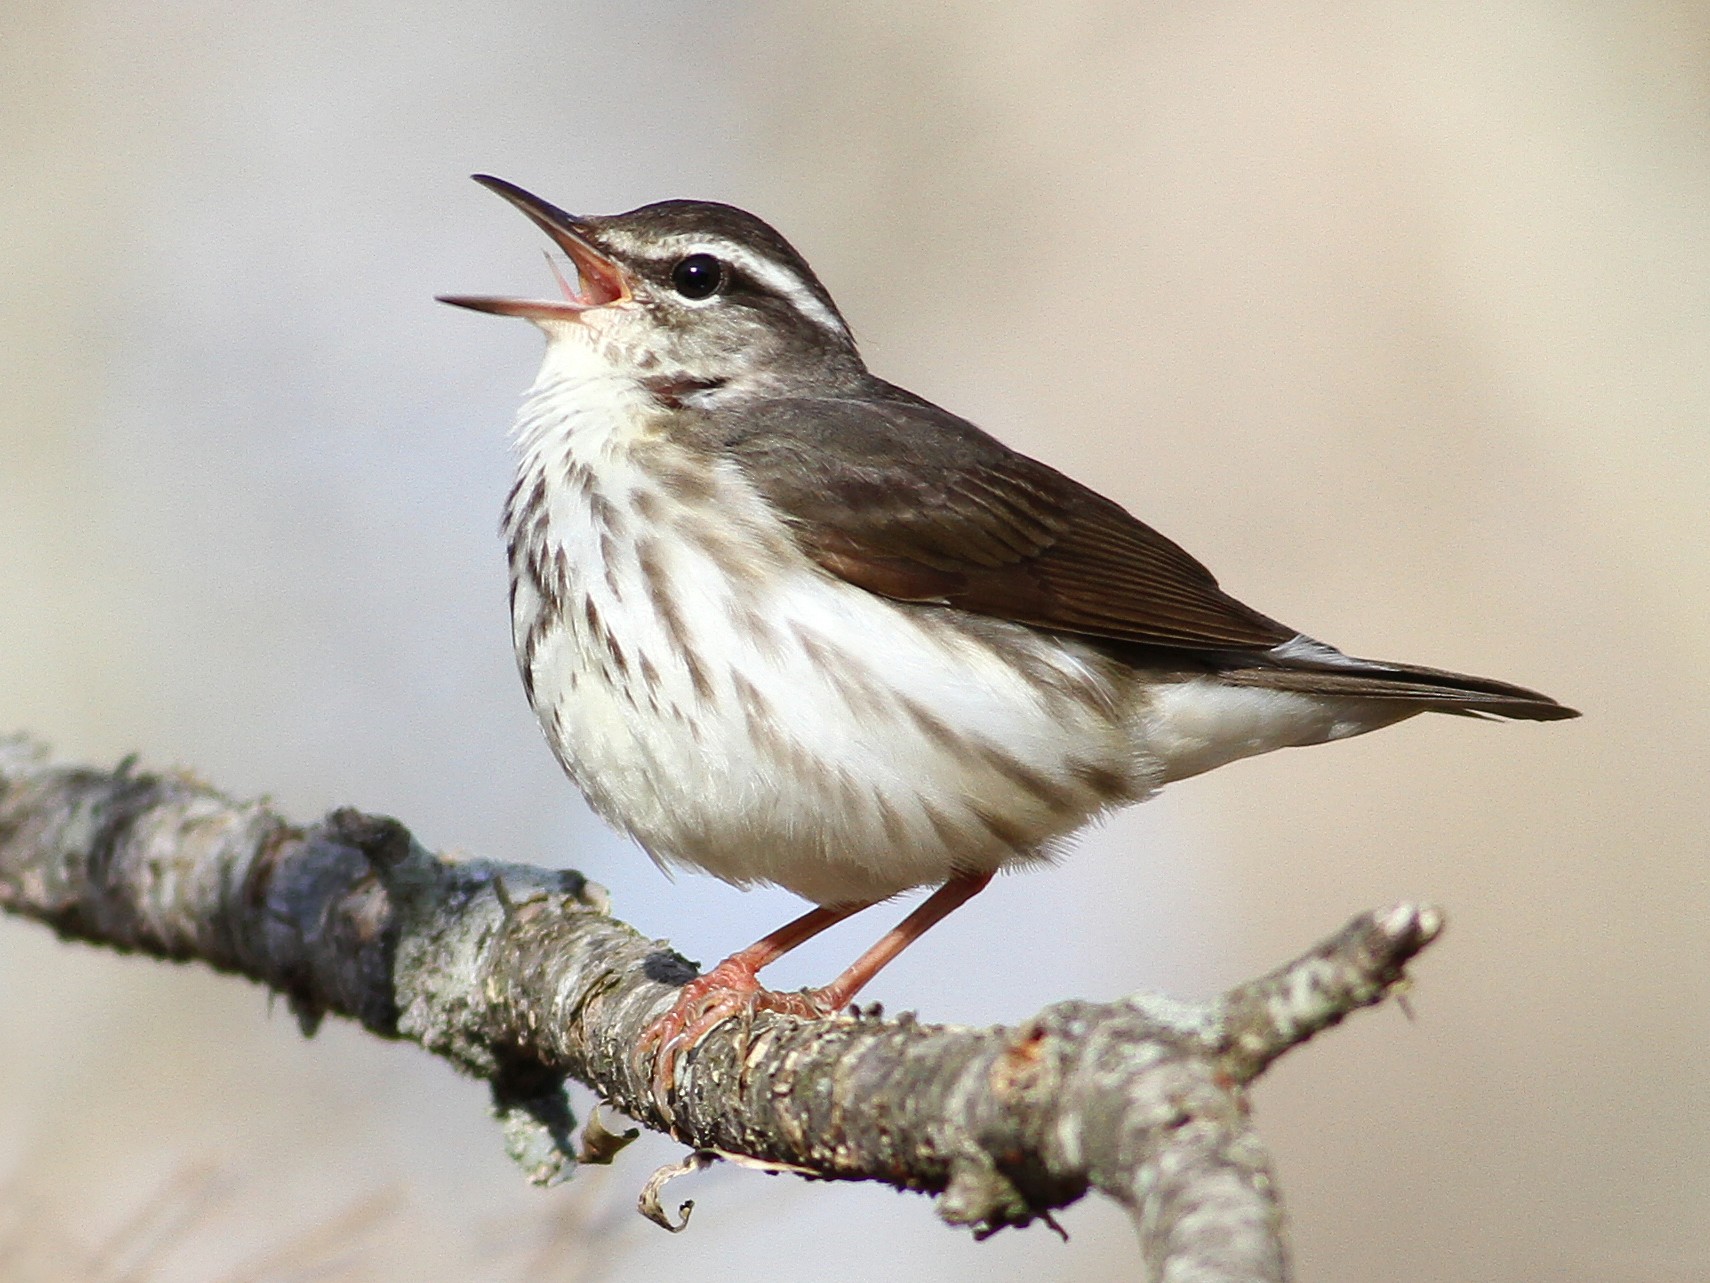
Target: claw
733	987
706	1002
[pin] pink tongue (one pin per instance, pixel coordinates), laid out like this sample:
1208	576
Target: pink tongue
570	291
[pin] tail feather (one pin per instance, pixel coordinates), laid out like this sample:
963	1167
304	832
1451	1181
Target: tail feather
1329	672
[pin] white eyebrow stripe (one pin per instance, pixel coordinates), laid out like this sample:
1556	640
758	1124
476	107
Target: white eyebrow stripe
778	279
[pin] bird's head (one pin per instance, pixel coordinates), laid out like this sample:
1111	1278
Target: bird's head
700	299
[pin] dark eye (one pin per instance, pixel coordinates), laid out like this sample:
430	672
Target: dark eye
697	276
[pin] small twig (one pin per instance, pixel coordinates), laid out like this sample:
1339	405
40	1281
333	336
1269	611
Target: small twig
600	1145
648	1204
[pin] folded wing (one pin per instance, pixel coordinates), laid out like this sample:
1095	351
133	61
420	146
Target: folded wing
908	501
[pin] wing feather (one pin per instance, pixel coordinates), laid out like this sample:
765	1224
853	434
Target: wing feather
909	501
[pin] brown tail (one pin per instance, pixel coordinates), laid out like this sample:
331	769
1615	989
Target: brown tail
1433	689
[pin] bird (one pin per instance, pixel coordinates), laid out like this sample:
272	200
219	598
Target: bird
786	623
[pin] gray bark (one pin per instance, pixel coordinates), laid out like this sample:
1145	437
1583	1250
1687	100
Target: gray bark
519	976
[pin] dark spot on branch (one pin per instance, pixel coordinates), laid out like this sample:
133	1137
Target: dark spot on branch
382	840
668	967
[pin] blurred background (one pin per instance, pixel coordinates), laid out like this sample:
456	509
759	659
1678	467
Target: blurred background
1396	315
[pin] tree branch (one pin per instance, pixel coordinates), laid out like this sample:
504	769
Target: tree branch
519	976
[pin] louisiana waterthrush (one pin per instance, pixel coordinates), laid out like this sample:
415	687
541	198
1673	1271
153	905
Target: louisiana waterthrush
788	623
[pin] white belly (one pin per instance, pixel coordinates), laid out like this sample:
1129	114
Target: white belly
736	709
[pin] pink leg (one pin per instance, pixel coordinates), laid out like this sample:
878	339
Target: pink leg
933	910
733	987
727	990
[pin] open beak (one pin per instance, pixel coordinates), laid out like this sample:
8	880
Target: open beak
599	280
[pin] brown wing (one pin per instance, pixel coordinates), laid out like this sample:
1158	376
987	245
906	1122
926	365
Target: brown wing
911	502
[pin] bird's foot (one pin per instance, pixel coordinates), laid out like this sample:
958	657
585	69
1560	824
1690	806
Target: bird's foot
730	989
